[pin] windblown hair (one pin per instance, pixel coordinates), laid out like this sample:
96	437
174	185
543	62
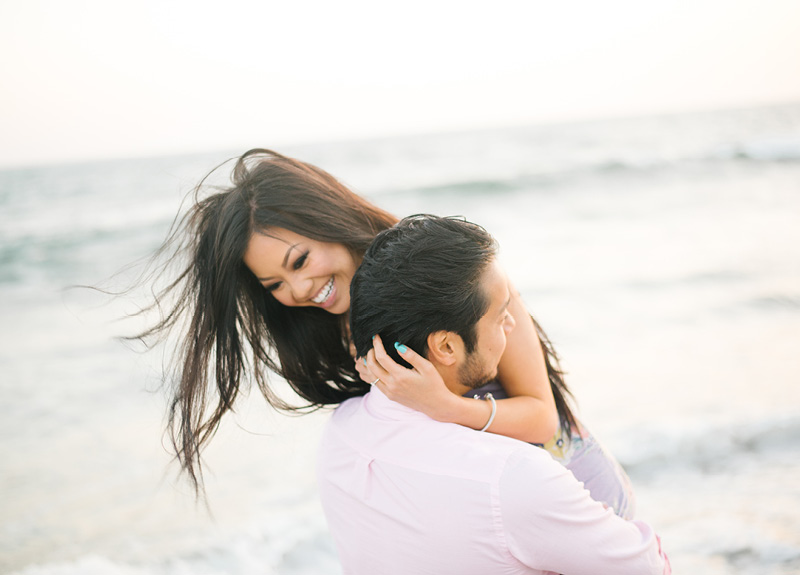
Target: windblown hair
424	275
231	327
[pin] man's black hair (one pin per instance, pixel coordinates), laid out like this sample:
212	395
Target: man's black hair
421	276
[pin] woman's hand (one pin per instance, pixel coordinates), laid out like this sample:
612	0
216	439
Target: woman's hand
423	389
420	388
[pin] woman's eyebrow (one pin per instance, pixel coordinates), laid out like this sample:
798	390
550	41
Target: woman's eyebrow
285	261
286	257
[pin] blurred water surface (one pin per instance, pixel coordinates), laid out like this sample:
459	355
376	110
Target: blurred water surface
661	254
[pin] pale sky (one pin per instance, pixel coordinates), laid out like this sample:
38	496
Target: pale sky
91	79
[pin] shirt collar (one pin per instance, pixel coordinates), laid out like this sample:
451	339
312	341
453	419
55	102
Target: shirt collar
378	405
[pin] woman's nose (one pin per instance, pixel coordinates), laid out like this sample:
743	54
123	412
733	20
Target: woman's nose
301	288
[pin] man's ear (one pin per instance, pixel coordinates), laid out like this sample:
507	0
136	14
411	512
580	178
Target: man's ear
444	347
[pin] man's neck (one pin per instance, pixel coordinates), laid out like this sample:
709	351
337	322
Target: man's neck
451	380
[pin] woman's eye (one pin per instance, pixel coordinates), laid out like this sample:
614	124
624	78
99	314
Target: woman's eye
298	263
272	287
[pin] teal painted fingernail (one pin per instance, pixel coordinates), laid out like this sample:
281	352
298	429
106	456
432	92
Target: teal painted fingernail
365	361
400	348
373	337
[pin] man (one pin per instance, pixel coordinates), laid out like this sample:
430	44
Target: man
406	494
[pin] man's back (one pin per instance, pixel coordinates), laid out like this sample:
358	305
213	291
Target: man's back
406	494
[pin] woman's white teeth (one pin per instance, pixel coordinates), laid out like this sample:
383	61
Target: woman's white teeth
324	292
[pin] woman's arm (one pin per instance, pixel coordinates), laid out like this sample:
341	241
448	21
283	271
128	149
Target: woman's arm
530	411
529	414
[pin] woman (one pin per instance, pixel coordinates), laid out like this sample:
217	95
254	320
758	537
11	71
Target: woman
270	264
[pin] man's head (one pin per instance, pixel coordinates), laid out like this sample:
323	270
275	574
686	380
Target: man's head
433	284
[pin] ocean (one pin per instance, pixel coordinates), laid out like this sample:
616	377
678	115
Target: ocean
661	254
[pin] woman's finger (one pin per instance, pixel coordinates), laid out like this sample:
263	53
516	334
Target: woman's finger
380	384
363	370
383	359
375	368
418	362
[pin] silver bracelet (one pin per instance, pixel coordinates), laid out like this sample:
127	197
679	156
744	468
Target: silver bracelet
490	397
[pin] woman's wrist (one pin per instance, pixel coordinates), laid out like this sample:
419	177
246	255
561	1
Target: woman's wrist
447	409
463	411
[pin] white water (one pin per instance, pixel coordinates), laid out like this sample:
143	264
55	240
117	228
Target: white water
662	255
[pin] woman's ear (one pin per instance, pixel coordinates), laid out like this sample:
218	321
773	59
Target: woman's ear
444	347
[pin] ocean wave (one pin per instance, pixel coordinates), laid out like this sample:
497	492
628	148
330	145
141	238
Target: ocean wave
712	277
473	186
776	302
644	166
538	180
64	256
763	303
709	448
775	149
256	550
87	565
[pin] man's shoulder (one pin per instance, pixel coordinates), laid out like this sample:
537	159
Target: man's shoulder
413	440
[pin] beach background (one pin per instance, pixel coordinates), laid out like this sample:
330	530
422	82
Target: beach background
640	167
661	254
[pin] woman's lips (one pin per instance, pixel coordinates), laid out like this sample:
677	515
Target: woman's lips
325	296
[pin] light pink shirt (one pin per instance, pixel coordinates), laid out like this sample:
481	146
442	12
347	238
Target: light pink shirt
404	494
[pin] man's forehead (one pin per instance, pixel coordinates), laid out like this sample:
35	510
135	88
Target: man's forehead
495	286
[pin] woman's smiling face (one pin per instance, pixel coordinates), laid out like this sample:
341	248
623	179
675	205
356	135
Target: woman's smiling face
299	271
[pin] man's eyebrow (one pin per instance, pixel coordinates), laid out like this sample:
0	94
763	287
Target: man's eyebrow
285	261
505	306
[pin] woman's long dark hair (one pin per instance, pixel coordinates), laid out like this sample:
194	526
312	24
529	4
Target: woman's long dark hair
231	327
561	393
232	330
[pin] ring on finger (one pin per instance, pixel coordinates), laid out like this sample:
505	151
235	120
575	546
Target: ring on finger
376	381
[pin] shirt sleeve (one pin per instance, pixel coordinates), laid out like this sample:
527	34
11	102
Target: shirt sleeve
551	523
